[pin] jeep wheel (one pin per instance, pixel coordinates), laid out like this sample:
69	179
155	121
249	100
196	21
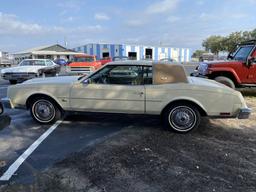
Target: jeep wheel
181	118
45	111
226	81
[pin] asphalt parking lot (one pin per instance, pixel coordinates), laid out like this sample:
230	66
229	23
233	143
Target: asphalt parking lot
69	136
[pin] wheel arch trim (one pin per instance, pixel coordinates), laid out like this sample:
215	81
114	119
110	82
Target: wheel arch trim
41	94
187	100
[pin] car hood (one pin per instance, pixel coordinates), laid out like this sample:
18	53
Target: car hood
207	83
22	69
53	80
225	62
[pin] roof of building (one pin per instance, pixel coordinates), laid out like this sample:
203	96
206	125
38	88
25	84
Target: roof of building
47	50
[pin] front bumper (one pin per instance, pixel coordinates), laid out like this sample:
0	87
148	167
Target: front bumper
7	103
18	76
244	113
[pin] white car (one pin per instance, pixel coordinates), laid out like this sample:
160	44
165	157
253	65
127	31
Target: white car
131	87
30	68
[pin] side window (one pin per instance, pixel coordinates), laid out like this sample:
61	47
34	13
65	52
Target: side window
119	75
147	75
48	63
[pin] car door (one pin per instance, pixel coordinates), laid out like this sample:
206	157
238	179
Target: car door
114	88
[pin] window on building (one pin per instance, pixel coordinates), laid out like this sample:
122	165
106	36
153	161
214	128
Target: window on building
132	55
148	53
105	54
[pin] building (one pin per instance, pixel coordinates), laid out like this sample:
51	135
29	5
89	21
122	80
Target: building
137	52
6	59
45	52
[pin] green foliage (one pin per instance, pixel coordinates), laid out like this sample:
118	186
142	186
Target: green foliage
215	44
198	53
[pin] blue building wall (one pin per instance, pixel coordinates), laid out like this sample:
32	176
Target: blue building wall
178	54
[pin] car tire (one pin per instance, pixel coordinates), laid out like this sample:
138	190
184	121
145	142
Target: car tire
45	111
226	81
13	82
181	118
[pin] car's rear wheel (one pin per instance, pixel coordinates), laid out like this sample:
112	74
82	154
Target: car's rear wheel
13	82
181	118
45	111
226	81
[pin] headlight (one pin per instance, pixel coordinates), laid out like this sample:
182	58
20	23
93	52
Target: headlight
202	68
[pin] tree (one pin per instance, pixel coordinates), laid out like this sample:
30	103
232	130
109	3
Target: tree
253	34
198	53
214	44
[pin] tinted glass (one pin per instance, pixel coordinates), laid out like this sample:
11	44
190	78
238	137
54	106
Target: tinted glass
83	59
148	75
243	53
32	63
119	75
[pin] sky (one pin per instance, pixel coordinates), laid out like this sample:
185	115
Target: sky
177	23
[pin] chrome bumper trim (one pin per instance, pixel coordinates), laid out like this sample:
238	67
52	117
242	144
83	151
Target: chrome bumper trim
244	113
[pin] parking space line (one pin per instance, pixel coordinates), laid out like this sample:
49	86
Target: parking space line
14	167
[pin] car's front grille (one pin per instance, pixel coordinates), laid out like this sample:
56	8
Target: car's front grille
19	75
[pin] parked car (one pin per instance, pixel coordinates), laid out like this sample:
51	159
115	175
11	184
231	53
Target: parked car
29	69
84	64
143	88
238	71
4	119
61	62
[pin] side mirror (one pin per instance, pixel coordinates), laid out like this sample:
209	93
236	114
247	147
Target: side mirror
87	81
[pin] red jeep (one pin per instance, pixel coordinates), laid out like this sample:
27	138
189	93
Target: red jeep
82	64
239	70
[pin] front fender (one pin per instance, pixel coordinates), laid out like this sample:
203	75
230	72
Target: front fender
212	71
187	99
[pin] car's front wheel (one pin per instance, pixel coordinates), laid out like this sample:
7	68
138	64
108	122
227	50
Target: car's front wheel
181	118
45	111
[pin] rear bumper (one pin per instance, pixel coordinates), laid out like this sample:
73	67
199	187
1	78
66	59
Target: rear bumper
244	113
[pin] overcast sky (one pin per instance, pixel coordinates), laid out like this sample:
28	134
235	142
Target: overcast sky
178	23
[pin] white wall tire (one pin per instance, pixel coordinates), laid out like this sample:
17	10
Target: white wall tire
44	111
181	118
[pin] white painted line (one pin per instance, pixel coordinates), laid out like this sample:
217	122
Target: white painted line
14	167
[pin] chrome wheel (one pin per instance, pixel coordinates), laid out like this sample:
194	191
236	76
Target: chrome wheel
182	118
43	111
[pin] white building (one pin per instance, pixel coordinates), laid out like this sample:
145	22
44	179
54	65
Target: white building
137	52
45	52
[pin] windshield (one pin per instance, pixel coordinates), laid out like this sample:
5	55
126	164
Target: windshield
32	63
243	53
83	59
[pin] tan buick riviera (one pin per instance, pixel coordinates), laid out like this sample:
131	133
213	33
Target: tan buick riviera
132	87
